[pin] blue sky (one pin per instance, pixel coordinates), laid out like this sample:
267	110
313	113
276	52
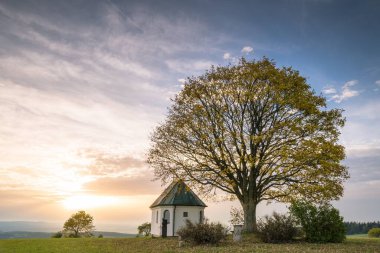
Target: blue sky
84	83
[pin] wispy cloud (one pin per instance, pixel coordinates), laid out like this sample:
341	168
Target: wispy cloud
363	164
234	59
226	56
108	164
360	135
125	186
329	90
346	92
247	50
189	67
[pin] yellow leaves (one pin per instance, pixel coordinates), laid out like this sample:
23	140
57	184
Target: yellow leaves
198	108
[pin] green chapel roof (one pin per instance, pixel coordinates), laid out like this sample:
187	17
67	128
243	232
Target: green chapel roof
178	194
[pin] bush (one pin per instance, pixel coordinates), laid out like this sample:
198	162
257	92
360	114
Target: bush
320	223
100	236
374	232
277	228
59	234
203	233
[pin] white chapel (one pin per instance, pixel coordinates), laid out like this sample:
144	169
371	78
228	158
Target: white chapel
173	207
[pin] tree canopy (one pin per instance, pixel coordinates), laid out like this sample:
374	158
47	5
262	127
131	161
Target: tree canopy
254	131
79	224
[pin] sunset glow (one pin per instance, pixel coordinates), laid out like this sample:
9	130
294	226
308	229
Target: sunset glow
87	202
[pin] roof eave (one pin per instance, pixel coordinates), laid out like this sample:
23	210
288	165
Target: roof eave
175	205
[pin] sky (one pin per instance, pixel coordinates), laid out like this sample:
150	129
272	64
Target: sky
83	84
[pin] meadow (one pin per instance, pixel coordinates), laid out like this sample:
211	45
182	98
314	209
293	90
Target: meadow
116	245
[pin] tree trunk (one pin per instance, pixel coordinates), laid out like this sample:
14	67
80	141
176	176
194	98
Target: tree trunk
249	208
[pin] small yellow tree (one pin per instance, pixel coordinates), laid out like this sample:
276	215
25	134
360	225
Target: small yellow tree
79	224
144	229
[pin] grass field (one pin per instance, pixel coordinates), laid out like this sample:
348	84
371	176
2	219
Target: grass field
358	236
116	245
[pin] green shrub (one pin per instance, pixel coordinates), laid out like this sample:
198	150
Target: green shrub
59	234
277	228
320	223
202	233
374	232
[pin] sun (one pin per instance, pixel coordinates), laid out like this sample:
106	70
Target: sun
88	202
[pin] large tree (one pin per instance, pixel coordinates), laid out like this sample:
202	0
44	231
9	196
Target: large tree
79	224
255	132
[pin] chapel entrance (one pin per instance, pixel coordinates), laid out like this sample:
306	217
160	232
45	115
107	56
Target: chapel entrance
165	222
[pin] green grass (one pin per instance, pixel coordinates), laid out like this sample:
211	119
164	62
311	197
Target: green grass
116	245
358	236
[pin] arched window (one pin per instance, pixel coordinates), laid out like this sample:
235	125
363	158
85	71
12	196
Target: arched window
157	216
167	216
200	216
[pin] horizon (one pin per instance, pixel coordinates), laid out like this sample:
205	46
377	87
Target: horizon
84	84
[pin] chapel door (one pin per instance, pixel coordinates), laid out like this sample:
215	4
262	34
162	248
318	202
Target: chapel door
165	222
164	228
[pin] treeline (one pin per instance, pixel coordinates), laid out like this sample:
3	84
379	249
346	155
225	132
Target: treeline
360	227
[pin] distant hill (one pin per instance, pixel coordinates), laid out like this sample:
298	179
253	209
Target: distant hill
33	226
28	234
24	234
36	229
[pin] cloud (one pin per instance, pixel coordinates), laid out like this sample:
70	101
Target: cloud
46	181
122	65
70	84
362	151
190	67
226	56
181	80
329	90
232	59
346	92
377	82
29	204
106	164
247	50
123	186
361	139
52	118
363	164
350	84
360	135
77	85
